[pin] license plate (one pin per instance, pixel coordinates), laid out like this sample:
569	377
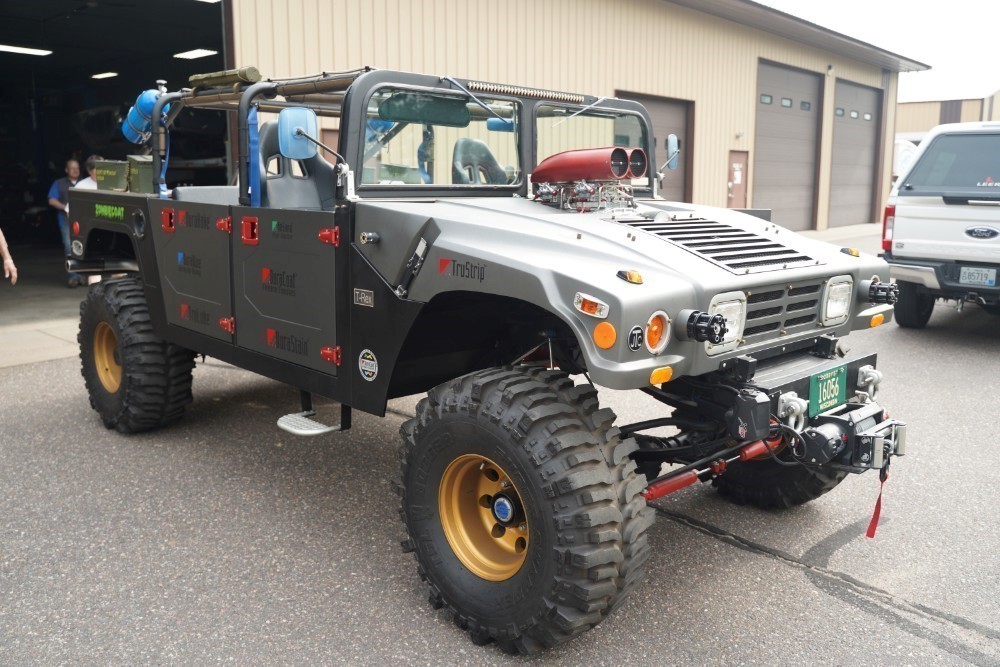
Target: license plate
827	390
973	275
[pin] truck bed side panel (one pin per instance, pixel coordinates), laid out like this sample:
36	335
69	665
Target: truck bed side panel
285	283
192	254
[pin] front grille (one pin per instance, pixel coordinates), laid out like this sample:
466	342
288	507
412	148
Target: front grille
734	249
782	310
763	312
802	305
757	297
764	328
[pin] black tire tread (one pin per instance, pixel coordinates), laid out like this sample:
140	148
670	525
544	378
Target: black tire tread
157	375
602	519
913	310
769	485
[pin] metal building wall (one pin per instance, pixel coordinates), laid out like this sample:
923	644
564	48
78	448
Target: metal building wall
917	116
648	47
972	110
991	107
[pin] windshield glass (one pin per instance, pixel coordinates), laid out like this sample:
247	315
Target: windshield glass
431	139
959	162
559	130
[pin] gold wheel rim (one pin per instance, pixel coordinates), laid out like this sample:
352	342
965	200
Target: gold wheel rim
474	497
109	371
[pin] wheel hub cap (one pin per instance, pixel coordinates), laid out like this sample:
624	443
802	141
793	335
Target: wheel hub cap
483	517
503	509
107	360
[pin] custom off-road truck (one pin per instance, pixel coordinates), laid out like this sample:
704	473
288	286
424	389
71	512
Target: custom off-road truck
487	243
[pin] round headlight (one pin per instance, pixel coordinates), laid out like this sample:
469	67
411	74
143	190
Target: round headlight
657	332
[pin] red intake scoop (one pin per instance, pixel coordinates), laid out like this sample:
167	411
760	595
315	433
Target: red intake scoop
589	164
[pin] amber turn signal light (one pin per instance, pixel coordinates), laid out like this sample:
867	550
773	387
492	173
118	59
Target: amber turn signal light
605	335
590	305
633	277
661	375
876	320
657	332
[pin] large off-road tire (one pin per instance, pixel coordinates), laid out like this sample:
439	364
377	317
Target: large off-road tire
913	309
528	442
136	381
770	485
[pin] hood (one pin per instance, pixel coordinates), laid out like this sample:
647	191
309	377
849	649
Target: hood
715	247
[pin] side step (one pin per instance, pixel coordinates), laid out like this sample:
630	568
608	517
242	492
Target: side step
299	423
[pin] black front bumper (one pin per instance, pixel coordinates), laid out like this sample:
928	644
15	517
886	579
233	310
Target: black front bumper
855	436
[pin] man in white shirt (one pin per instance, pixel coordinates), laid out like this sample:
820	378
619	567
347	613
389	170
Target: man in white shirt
90	182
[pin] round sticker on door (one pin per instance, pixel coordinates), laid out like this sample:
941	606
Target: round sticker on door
368	365
635	339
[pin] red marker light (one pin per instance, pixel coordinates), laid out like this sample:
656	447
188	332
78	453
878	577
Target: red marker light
888	222
76	228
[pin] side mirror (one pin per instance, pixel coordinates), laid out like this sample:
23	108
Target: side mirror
673	150
294	125
499	125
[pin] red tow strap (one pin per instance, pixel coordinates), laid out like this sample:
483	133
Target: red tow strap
883	475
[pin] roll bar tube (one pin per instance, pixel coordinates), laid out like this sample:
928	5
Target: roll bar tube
159	136
262	88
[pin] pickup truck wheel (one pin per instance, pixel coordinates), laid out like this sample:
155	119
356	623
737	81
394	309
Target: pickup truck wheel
770	485
522	506
135	380
913	309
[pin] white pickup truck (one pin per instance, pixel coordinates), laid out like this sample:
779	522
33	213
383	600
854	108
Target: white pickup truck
941	229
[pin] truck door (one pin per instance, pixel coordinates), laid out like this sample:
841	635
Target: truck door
284	282
192	256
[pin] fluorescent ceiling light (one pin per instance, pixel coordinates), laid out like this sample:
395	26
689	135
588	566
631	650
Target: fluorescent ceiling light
24	50
210	1
104	75
195	53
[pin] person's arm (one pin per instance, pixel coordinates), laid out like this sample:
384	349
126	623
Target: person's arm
9	270
54	197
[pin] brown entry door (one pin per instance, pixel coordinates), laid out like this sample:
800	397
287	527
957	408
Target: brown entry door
737	183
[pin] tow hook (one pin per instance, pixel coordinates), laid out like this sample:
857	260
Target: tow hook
711	466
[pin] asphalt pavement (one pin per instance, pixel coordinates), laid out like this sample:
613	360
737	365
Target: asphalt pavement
224	539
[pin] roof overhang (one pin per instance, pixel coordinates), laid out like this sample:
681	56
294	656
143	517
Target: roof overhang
779	23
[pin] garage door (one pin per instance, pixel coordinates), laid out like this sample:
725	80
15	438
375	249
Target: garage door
670	117
853	178
786	145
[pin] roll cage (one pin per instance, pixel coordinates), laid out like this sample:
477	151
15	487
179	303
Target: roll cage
345	95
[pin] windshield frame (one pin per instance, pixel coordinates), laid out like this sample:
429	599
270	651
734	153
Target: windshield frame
423	189
644	126
355	109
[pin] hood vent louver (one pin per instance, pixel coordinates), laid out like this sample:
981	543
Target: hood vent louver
734	249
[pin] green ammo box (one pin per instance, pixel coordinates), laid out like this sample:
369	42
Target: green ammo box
112	175
140	174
